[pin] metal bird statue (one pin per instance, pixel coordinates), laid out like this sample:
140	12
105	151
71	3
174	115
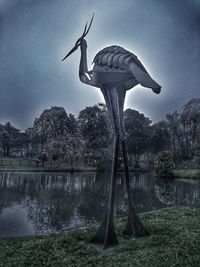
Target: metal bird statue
115	71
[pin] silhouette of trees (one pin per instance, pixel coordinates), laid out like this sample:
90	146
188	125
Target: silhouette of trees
160	138
138	133
52	123
173	122
68	148
8	137
94	129
190	119
21	142
58	135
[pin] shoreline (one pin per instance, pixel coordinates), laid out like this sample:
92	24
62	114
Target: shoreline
85	227
66	170
173	242
178	173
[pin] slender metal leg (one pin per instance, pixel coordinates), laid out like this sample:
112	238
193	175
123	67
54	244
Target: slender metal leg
134	227
106	233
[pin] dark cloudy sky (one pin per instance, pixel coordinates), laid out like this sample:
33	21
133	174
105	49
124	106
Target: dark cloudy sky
36	34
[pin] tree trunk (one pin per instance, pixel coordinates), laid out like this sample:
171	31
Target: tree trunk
7	151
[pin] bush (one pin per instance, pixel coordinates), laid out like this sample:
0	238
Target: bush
164	164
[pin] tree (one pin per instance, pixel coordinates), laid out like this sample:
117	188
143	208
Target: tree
66	147
94	128
160	139
22	141
74	149
173	120
8	135
138	133
52	123
190	118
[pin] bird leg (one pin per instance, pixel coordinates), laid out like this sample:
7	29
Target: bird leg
106	234
134	227
114	97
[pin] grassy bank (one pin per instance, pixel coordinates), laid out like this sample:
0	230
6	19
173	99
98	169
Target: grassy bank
19	164
175	241
187	173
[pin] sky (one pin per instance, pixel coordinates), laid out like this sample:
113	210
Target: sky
36	34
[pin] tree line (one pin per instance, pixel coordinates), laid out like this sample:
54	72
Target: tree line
87	138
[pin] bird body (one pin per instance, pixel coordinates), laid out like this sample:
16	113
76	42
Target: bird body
116	64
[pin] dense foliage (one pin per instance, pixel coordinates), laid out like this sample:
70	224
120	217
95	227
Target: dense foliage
164	164
88	137
138	133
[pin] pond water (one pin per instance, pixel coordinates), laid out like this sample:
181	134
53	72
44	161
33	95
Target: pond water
41	203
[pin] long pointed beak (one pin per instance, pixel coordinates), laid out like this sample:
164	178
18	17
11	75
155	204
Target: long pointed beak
70	52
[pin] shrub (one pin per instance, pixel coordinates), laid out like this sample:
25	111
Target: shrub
164	164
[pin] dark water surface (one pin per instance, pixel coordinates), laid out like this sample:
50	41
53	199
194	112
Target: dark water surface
40	203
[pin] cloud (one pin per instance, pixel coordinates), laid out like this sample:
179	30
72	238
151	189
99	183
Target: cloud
35	35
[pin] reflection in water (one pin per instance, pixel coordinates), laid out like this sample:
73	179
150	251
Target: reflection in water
36	203
165	191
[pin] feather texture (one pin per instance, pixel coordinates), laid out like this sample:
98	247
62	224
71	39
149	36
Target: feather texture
116	57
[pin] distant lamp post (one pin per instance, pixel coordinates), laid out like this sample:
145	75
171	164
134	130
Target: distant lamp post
115	71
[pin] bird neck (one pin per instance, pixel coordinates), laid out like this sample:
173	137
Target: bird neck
83	62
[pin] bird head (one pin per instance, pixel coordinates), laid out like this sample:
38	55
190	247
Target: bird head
80	40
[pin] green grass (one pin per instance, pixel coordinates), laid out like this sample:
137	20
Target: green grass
174	241
187	173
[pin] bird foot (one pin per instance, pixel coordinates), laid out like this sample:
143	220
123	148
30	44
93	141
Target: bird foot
105	235
134	227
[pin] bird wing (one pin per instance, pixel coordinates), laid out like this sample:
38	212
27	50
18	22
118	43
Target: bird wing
144	78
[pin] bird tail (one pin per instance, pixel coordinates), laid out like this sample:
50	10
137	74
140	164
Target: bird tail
144	78
157	89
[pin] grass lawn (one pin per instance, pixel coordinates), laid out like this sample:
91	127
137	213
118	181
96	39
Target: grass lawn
175	241
187	173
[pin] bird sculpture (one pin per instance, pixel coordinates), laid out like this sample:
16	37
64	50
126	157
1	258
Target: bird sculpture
115	71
